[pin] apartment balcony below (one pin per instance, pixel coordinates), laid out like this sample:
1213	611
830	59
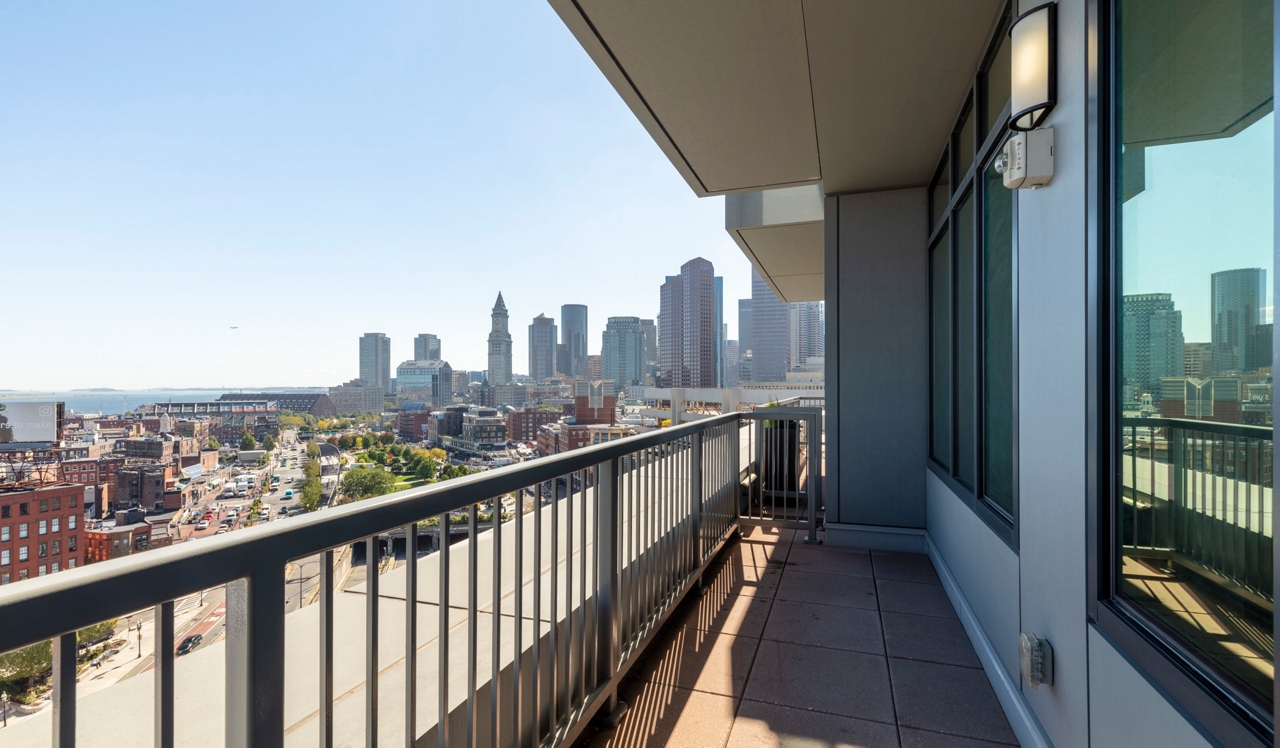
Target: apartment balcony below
794	644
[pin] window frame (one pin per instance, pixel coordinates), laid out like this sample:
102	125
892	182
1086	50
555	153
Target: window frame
1217	706
969	184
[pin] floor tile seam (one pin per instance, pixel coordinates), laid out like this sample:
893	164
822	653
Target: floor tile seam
829	573
933	662
754	651
893	699
820	711
922	615
881	653
833	605
907	581
958	735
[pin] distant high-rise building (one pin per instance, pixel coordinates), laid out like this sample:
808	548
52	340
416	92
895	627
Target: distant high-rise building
499	345
1197	360
1237	298
573	333
622	352
426	347
375	360
563	364
718	285
806	332
732	369
1153	344
769	346
425	381
650	332
687	329
593	366
744	331
542	348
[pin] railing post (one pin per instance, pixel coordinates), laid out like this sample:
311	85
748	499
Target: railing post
64	691
163	658
607	590
695	493
255	658
815	465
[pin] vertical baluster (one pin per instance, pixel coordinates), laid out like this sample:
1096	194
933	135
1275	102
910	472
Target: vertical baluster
254	713
64	691
325	601
607	536
553	654
442	642
495	608
411	634
582	584
371	642
537	619
517	691
163	656
695	489
473	586
568	594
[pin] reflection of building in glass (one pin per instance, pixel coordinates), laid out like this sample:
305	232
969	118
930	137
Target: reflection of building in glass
1236	301
1153	343
1214	399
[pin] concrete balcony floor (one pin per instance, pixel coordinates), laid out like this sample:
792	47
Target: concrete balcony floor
800	645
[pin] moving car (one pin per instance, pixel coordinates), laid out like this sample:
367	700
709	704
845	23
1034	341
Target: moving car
190	643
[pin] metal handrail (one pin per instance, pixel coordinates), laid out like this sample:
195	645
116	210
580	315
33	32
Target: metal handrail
1209	427
672	494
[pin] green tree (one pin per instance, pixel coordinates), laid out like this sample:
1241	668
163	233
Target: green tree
387	438
214	443
425	470
30	664
346	441
313	451
269	444
247	441
363	483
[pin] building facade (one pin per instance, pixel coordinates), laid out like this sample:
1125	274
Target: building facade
1153	344
499	345
770	343
542	348
426	347
357	396
425	381
573	335
317	404
40	530
1238	298
688	333
375	360
806	333
622	351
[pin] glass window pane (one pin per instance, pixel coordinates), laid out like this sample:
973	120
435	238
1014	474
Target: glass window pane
940	335
997	340
940	195
964	142
996	82
1196	238
966	346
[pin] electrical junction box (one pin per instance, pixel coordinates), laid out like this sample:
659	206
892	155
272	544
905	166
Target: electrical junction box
1035	655
1026	160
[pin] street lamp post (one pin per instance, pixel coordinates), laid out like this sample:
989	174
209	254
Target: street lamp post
139	640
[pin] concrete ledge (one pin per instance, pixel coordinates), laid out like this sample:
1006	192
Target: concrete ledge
877	538
1019	713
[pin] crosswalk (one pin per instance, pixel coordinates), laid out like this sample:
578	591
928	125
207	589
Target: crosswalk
187	603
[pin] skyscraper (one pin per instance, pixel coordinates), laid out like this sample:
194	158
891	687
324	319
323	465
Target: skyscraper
1237	298
732	370
1153	344
542	348
573	332
426	347
769	347
375	359
622	357
718	284
499	345
744	333
806	332
1197	360
687	329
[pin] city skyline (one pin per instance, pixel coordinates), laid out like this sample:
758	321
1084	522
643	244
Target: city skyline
355	170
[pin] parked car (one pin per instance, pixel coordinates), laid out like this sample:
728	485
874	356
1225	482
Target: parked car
221	531
190	643
204	525
229	521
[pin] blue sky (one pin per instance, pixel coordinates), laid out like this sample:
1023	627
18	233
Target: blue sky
309	172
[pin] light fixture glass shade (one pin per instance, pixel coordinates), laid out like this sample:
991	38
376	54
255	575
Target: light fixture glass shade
1034	83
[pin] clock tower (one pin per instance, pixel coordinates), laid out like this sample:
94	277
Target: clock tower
499	345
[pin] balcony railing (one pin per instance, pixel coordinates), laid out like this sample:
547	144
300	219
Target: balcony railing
1199	494
560	600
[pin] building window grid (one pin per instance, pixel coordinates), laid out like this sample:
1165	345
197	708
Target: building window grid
950	191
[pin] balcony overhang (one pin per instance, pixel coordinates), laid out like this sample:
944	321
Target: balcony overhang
780	232
752	96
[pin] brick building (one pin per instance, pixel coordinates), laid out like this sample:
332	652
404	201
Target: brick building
523	423
106	543
144	485
163	448
447	422
413	425
40	529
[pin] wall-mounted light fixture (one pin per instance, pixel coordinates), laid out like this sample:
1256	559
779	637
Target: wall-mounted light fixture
1035	66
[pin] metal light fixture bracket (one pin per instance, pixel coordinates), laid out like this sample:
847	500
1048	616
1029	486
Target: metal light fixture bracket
1031	117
